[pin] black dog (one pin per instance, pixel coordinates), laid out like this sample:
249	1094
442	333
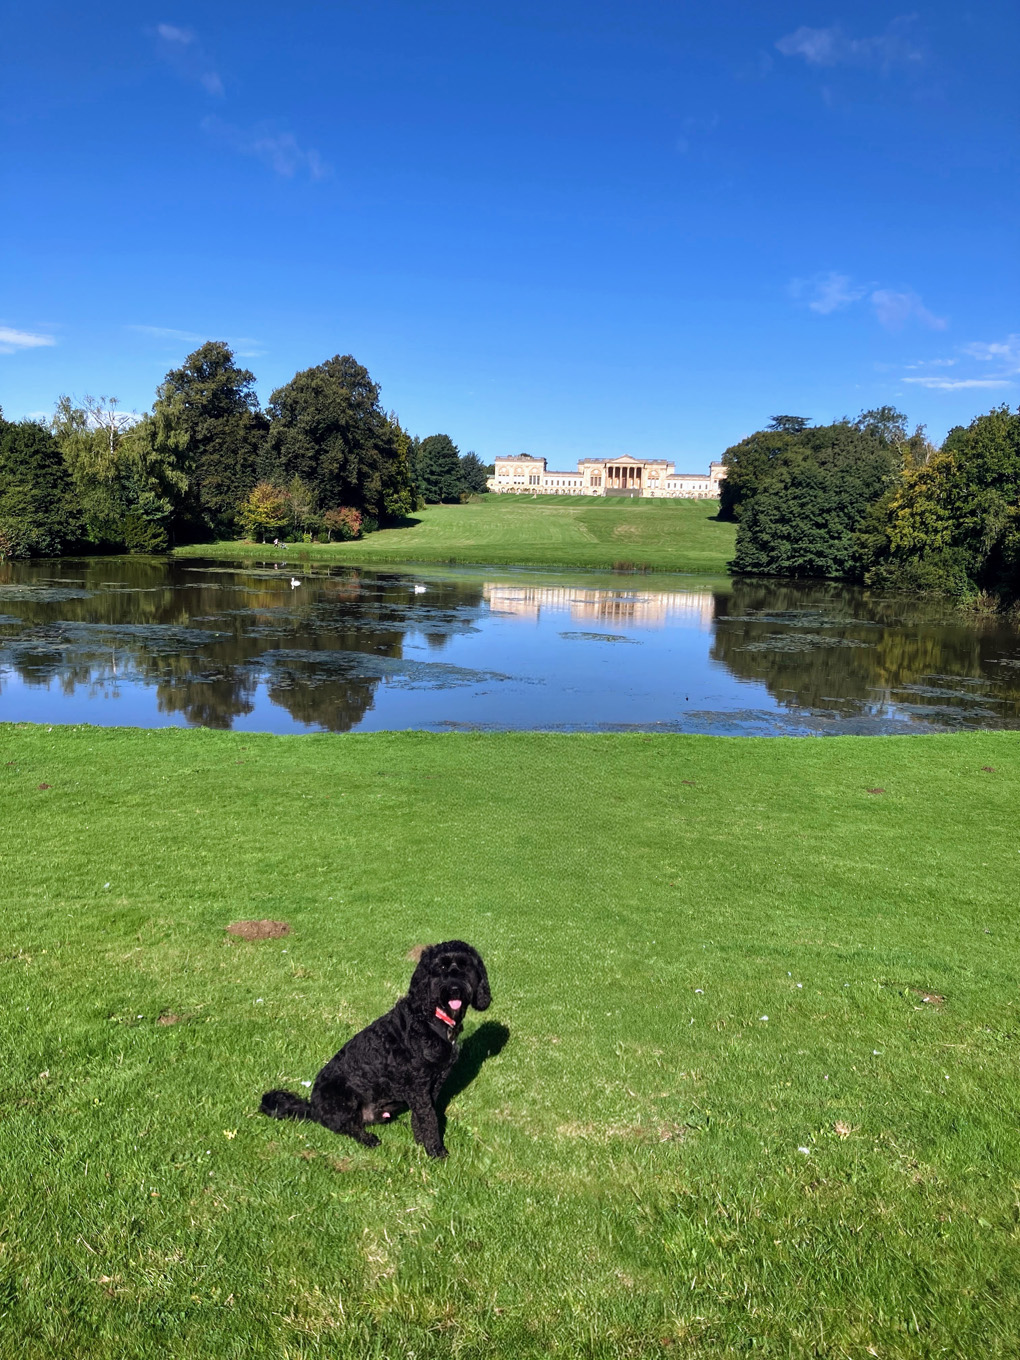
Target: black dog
402	1059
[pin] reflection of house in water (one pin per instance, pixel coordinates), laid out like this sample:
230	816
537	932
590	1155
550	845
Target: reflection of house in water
652	609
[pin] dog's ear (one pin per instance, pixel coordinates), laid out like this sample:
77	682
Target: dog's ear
483	997
418	987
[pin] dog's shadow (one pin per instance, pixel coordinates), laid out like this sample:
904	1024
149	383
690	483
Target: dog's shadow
488	1039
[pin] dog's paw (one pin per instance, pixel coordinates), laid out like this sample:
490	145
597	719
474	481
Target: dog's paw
369	1140
438	1153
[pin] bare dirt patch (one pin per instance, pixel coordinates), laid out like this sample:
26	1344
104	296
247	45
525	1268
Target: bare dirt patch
415	952
258	930
168	1018
875	790
907	989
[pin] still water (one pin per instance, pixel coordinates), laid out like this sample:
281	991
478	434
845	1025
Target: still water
154	642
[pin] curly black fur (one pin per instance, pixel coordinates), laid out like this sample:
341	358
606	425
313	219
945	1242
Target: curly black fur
402	1059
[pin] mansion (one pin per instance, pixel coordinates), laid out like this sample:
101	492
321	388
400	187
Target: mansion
626	476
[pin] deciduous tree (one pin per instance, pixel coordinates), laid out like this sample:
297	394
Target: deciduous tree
265	511
328	428
209	408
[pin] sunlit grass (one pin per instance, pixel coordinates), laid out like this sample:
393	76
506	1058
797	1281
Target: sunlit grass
648	1166
565	531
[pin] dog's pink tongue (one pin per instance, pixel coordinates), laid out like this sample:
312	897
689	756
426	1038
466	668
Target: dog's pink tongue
455	1004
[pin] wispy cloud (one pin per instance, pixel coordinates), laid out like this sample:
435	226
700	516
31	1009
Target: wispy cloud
281	151
181	48
833	47
1003	355
894	310
244	346
825	293
168	333
956	384
1004	351
831	292
694	128
12	340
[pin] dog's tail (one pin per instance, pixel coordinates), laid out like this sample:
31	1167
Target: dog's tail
284	1105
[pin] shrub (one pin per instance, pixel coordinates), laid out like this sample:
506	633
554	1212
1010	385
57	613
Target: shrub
265	511
142	535
343	521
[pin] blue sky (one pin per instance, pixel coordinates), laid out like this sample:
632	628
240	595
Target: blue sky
566	228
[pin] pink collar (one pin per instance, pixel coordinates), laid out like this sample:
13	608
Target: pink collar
446	1019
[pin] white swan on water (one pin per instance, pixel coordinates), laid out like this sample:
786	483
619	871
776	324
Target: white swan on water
294	582
420	590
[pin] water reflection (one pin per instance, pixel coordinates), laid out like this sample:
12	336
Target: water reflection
649	609
851	653
138	640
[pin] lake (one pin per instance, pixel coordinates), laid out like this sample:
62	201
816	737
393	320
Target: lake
155	642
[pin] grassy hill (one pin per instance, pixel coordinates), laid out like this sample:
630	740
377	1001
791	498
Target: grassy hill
563	531
747	1085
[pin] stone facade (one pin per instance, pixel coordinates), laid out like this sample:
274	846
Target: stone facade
626	476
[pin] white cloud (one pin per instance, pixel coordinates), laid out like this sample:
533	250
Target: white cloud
825	293
832	47
1004	354
244	346
956	384
1005	351
692	127
894	310
11	340
168	333
281	151
184	36
832	291
181	48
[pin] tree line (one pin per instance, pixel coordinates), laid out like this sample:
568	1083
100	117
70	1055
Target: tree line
864	500
323	459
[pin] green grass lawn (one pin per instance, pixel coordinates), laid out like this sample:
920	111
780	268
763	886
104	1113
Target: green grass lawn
563	531
725	1120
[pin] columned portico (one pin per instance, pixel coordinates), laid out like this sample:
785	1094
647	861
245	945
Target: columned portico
623	476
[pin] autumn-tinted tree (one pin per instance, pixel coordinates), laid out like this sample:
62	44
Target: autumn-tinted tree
343	523
210	408
265	512
38	511
328	428
440	468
